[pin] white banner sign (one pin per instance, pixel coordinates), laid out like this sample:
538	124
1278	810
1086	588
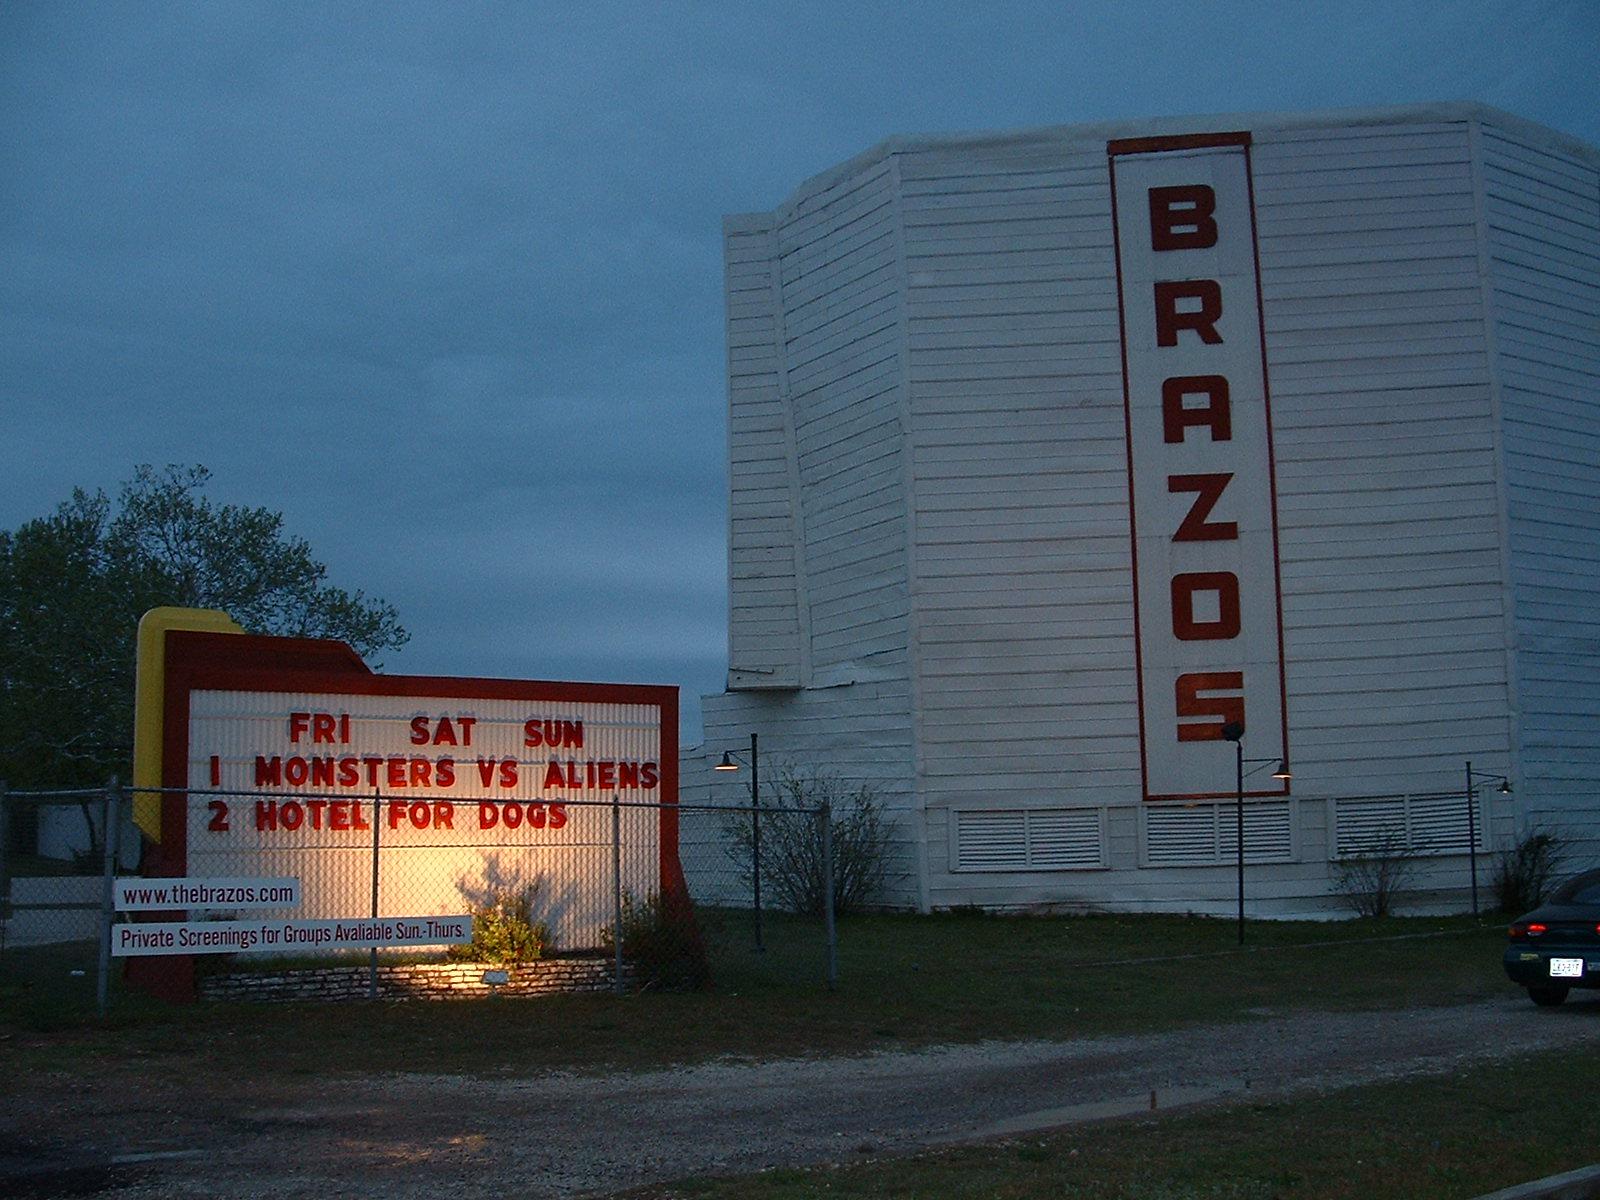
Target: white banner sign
242	937
150	895
1207	611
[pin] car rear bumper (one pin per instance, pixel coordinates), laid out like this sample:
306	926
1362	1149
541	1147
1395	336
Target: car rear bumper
1527	966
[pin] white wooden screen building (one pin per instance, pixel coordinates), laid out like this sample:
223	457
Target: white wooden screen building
931	548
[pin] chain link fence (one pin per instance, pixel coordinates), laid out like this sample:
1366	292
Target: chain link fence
270	895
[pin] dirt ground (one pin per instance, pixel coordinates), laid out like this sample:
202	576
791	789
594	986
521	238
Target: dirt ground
562	1135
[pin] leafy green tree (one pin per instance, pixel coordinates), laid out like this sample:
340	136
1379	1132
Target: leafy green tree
74	584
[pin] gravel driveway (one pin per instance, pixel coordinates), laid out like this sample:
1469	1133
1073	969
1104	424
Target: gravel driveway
566	1135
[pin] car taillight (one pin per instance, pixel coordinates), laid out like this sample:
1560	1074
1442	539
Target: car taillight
1527	929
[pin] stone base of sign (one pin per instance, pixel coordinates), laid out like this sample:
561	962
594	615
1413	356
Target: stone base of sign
414	981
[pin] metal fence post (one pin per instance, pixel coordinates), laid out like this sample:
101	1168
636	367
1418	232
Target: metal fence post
755	837
1472	839
616	886
826	831
109	816
372	956
5	866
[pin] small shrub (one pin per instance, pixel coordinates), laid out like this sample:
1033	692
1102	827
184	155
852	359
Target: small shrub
503	927
791	850
1370	881
1524	872
661	942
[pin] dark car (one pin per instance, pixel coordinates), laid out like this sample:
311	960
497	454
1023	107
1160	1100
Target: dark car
1556	947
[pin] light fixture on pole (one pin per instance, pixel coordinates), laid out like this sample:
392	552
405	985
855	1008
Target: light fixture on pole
1233	732
1472	820
728	763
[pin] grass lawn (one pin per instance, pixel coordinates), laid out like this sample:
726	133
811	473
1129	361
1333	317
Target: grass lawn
904	981
1425	1139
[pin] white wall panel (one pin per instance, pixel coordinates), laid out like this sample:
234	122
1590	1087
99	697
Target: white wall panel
764	588
1541	210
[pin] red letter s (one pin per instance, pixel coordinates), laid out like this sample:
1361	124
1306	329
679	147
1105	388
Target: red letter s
1223	708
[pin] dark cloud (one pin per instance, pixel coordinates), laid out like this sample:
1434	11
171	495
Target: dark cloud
442	282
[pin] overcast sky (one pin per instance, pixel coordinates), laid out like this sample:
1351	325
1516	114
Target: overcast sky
442	283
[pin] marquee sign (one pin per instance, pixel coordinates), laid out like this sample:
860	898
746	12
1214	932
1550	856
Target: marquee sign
288	758
1207	613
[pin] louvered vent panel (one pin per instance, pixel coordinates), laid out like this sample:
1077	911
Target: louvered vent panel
991	841
1049	839
1204	834
1370	823
1426	824
1438	824
1267	836
1064	837
1181	836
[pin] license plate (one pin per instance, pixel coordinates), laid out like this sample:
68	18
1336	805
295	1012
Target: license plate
1566	968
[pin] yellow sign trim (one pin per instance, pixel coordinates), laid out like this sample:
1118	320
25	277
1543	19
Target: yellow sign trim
149	701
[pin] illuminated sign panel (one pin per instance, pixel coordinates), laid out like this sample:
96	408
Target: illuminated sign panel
450	781
1208	626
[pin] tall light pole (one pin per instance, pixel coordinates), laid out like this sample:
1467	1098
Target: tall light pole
1472	822
1233	732
727	764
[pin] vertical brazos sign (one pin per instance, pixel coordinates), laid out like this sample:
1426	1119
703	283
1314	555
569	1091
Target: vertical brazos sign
1202	496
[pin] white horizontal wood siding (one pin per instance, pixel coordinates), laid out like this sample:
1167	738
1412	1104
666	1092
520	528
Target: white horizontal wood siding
840	271
818	503
1392	580
1542	218
1024	603
764	590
